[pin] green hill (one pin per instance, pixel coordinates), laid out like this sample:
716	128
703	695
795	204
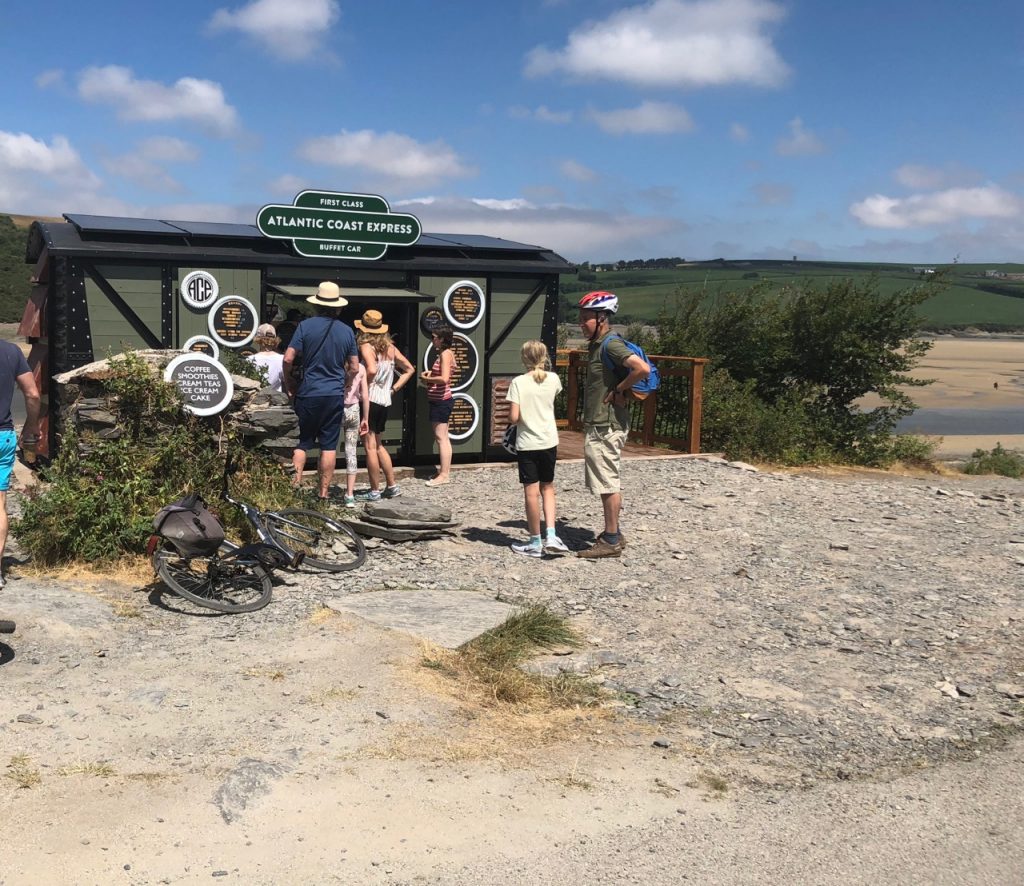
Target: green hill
970	298
14	273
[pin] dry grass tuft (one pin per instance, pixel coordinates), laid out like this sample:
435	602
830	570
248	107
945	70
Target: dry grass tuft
97	770
22	772
266	673
125	609
575	780
132	571
713	782
335	693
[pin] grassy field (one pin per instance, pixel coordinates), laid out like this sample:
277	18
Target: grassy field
963	302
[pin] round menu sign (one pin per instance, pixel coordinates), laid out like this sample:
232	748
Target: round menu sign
467	361
430	319
205	385
464	304
199	289
202	344
232	321
464	418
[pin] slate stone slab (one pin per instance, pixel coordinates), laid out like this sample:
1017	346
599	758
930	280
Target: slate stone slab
409	509
395	523
446	618
375	530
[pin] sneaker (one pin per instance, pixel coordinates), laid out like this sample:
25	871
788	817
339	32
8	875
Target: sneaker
350	501
392	491
601	548
554	545
368	495
3	582
528	550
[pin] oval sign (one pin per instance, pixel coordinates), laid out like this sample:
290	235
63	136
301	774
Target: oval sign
232	321
464	418
205	385
430	319
464	304
467	361
199	289
202	344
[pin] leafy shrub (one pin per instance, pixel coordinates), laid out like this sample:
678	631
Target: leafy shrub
797	362
1005	462
236	364
101	495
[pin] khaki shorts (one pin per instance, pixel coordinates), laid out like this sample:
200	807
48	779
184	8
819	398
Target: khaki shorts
602	454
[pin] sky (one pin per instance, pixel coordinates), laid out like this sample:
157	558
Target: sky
876	130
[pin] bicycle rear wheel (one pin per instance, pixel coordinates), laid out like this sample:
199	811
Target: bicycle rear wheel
329	544
224	585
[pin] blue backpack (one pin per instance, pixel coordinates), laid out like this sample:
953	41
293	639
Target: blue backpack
644	386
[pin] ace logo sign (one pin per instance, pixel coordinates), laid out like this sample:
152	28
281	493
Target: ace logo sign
199	289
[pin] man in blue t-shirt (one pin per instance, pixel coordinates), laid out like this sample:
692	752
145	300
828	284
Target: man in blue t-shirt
327	347
14	371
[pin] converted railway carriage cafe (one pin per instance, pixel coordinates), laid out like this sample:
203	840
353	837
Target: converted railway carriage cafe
103	285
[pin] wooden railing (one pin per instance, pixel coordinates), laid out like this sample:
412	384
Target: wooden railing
670	416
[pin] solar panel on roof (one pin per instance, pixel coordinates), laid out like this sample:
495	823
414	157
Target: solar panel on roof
480	241
216	229
108	224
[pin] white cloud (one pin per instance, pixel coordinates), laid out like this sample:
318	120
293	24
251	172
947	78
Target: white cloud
577	171
939	208
36	177
390	156
576	233
799	142
932	178
739	133
289	184
144	166
647	118
773	193
673	43
51	77
190	99
541	113
290	29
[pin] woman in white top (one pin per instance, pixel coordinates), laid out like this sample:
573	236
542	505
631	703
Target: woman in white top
267	358
380	356
531	399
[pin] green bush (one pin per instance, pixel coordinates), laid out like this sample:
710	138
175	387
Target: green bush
100	495
1005	462
797	361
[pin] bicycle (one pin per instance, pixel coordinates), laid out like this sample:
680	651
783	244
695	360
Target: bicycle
237	578
6	626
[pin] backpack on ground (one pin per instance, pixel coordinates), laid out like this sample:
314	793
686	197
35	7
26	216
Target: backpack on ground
645	386
190	526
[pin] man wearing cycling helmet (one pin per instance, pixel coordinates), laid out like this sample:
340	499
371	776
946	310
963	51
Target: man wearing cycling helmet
606	415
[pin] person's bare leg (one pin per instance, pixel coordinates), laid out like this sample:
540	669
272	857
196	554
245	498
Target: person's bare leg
547	494
611	502
4	524
327	462
384	457
373	458
531	495
444	450
299	464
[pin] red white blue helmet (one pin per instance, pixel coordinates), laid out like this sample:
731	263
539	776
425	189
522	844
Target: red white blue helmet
600	301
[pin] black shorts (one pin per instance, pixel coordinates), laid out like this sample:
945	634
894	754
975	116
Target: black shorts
441	410
537	465
378	418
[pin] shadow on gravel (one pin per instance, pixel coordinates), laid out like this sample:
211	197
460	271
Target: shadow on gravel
6	654
492	536
165	599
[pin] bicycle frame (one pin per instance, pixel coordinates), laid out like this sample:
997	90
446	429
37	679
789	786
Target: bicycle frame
254	515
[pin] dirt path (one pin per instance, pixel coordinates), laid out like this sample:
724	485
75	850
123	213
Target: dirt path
145	742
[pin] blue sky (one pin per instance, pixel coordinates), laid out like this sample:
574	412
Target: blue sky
881	130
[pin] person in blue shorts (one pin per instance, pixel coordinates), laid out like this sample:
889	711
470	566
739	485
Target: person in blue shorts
14	372
327	347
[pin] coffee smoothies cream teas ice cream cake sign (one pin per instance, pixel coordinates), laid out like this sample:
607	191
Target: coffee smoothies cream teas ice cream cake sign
327	224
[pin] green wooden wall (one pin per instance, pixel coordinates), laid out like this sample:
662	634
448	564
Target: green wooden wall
139	286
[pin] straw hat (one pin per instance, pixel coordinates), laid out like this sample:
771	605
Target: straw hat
328	295
372	322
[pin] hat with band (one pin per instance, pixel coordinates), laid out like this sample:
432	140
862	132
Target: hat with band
372	322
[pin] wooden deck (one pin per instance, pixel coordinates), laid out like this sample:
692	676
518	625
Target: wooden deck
570	445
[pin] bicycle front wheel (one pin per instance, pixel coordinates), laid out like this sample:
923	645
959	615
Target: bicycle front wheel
329	544
224	585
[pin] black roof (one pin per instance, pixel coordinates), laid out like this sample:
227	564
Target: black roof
101	237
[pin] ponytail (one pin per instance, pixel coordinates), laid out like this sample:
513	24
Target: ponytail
534	355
